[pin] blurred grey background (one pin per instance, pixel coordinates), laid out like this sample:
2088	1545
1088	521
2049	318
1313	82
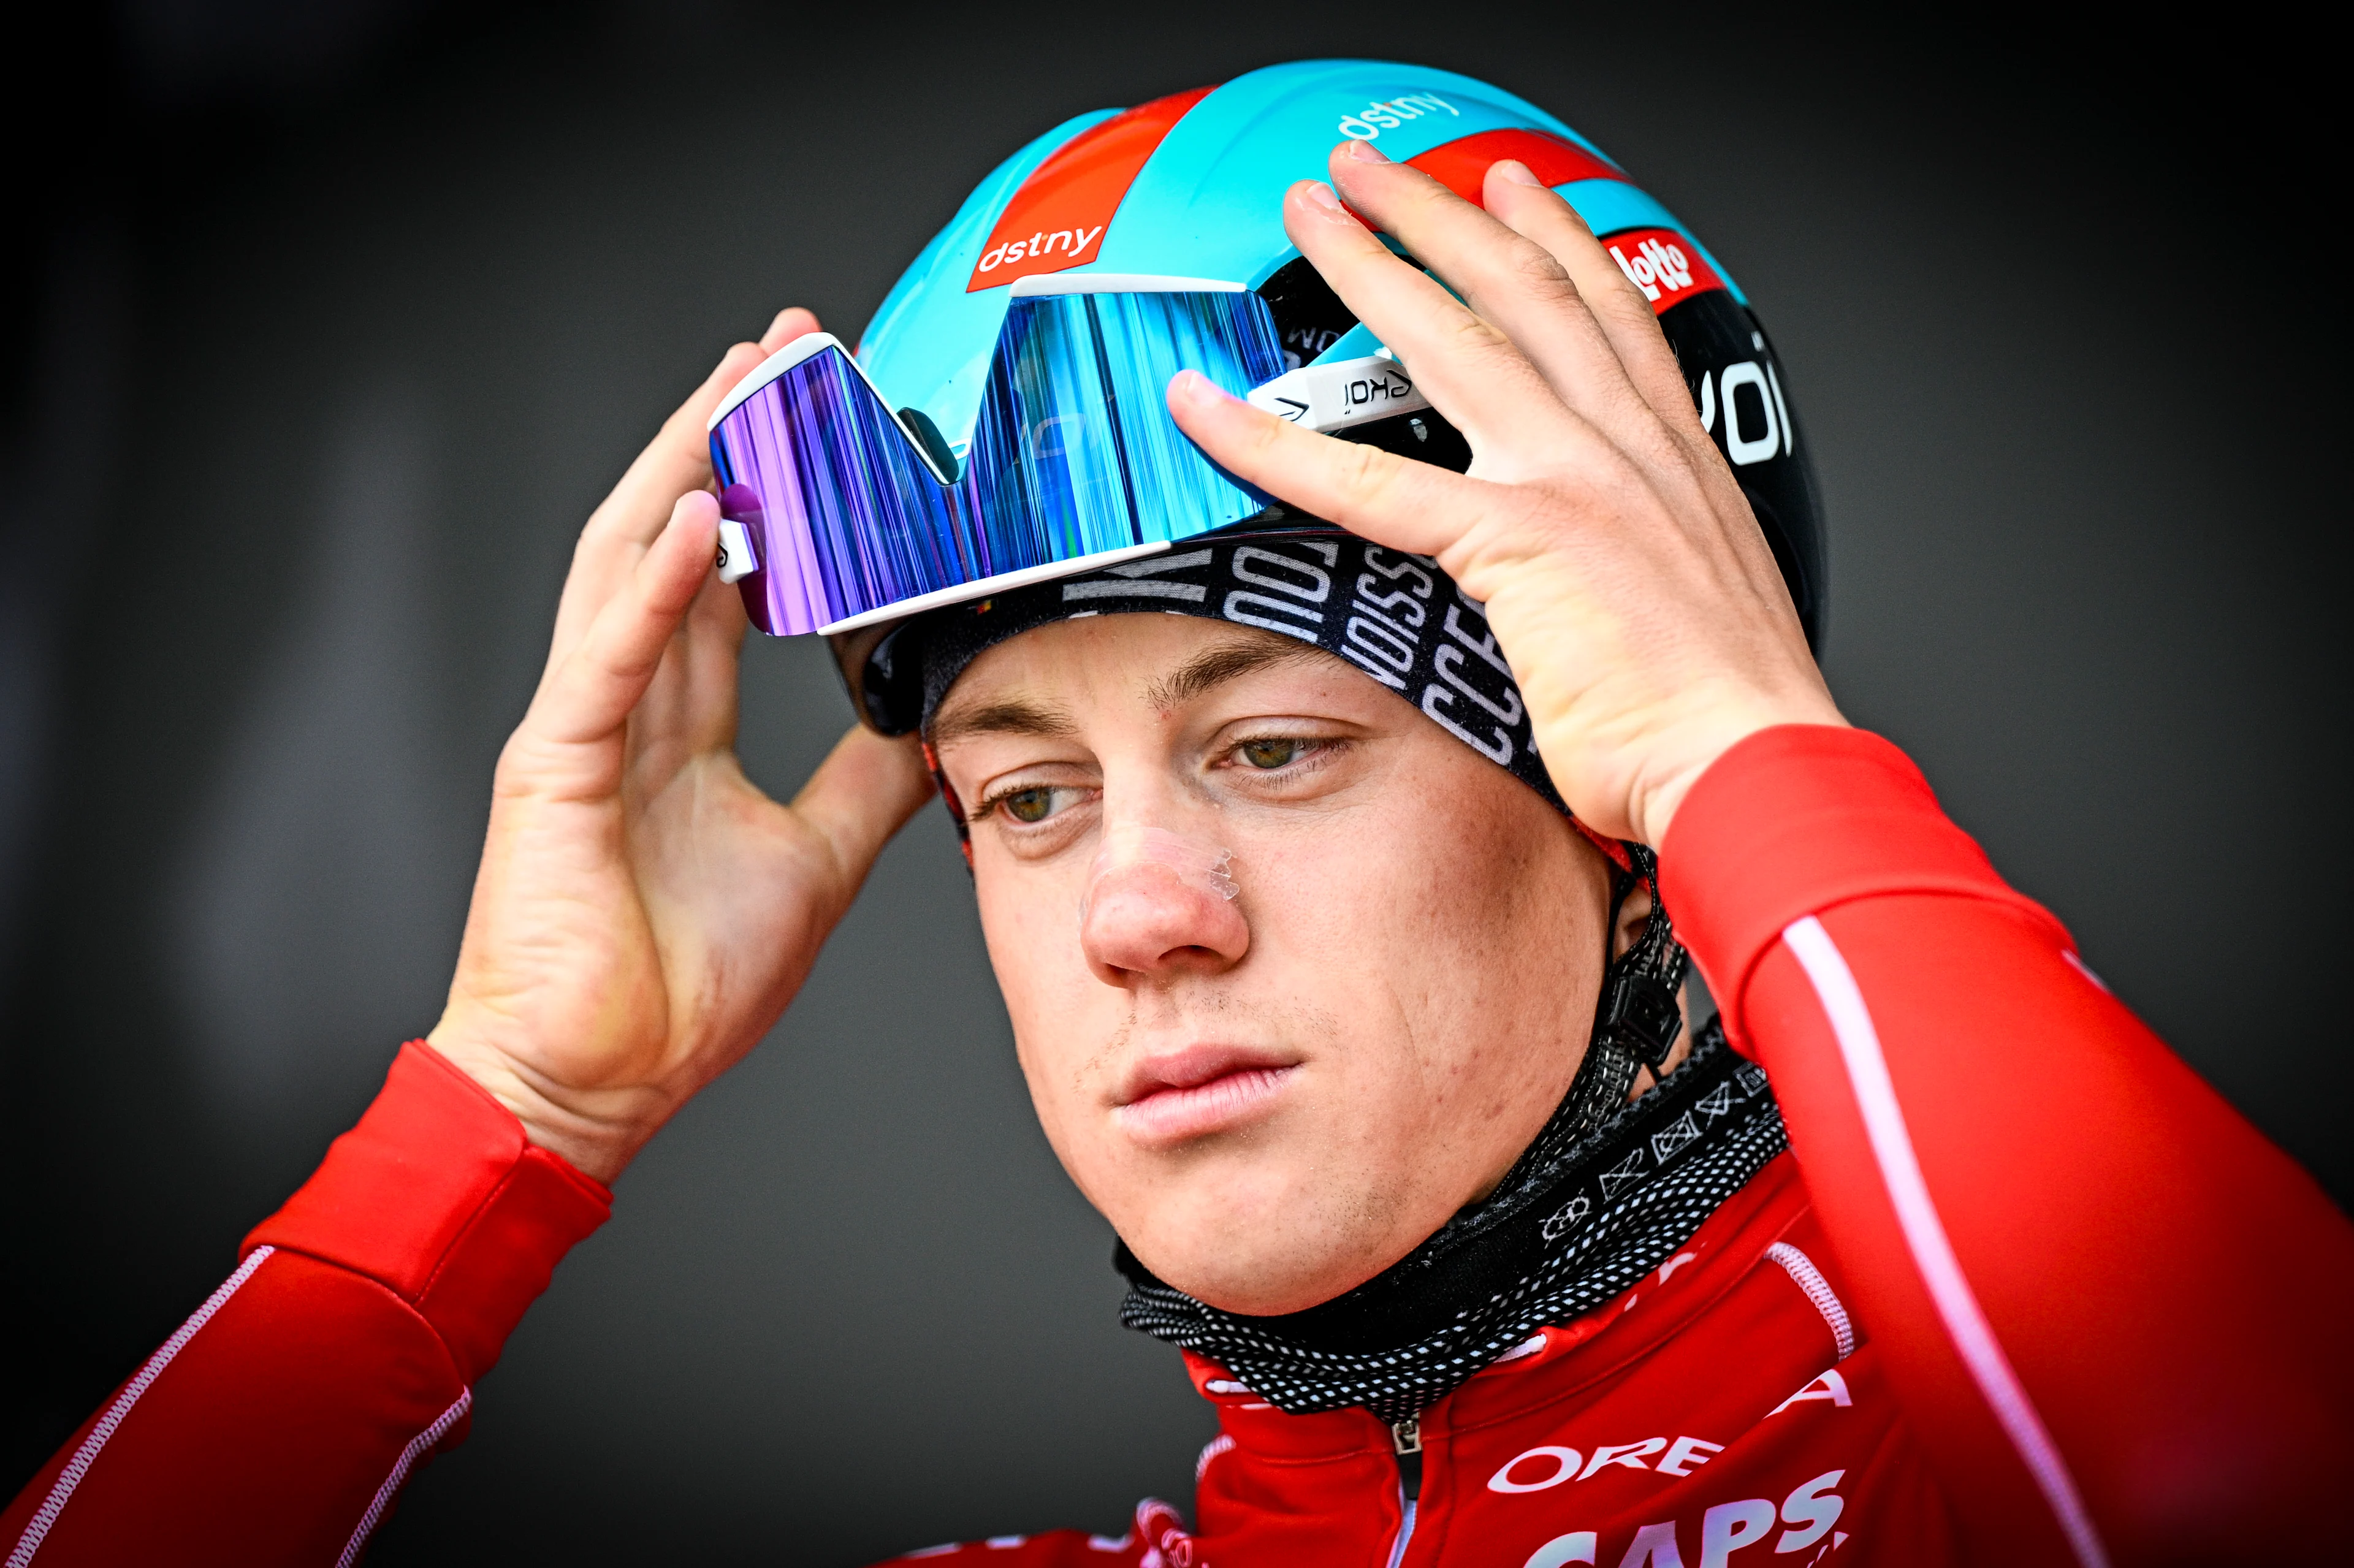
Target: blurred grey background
325	325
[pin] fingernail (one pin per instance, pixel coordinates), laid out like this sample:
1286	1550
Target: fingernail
1195	388
1321	194
1366	153
1518	173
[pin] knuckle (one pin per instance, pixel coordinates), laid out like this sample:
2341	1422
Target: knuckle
1536	270
519	765
1365	472
1474	334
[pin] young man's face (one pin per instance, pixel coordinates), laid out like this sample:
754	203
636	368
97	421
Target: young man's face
1273	1098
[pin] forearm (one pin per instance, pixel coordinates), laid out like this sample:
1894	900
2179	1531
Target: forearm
2042	1206
279	1424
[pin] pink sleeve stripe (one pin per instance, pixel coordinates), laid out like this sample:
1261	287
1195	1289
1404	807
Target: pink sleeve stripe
1924	1234
385	1494
62	1492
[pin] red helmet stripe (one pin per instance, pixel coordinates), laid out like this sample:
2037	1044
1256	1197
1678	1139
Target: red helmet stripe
1462	164
1057	220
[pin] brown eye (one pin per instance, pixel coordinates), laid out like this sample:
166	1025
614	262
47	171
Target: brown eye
1272	754
1029	805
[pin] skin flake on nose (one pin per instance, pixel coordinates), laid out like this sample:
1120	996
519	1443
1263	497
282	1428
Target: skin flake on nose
1197	863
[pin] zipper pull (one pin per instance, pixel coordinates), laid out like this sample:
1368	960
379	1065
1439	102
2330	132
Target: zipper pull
1407	1437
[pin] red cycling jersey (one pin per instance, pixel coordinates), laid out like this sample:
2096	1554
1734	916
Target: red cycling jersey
1971	1315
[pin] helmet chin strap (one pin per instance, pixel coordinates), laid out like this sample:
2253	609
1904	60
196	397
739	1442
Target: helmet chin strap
1637	1019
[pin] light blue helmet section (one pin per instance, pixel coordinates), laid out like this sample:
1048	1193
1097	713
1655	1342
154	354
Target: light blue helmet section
928	344
1207	203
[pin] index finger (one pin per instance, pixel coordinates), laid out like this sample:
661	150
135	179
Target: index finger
1510	278
1514	197
1472	372
676	460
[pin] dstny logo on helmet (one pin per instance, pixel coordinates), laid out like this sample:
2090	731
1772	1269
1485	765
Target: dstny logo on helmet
1388	114
1072	243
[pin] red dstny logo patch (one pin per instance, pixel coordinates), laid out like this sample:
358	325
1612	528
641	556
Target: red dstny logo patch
1072	244
1056	219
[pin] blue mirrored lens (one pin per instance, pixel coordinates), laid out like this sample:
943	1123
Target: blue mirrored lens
1073	454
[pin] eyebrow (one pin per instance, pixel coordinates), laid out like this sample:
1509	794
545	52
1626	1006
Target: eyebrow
1214	667
1013	717
1206	672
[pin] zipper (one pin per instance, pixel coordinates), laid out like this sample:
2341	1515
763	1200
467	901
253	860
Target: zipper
1405	1438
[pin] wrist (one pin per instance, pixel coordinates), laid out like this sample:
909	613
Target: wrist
1662	787
595	1131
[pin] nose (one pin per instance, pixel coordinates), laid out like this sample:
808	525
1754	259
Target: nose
1158	905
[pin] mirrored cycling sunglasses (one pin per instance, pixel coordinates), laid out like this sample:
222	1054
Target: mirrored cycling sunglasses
838	512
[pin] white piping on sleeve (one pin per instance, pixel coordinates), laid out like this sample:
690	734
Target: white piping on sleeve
1808	1279
386	1493
1924	1234
43	1521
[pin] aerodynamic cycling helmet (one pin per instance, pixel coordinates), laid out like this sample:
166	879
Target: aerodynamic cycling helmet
1002	422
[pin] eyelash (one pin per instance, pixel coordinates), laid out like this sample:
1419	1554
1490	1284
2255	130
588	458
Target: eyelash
1317	751
997	798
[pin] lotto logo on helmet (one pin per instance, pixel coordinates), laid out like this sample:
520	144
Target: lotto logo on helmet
1388	114
1665	265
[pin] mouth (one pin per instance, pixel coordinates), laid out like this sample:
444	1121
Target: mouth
1180	1096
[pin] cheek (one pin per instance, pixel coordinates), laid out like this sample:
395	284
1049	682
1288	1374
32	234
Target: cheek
1030	924
1461	946
1030	920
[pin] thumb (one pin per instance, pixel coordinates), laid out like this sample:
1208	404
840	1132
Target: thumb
863	792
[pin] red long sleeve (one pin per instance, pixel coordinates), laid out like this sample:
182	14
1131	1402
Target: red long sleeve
2098	1286
278	1425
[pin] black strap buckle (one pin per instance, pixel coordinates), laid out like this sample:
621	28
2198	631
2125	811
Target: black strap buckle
1641	1015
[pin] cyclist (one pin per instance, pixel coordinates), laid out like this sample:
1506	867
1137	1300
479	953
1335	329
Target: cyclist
1344	783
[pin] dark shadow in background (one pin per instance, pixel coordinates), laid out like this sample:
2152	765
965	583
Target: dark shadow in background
328	326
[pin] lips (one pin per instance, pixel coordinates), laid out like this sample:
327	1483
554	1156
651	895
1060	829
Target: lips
1179	1096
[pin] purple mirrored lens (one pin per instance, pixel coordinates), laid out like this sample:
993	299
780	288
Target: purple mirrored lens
1073	454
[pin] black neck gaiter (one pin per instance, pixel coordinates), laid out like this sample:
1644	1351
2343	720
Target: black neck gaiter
1587	1212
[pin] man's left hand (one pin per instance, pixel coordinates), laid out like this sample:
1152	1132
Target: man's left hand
1622	570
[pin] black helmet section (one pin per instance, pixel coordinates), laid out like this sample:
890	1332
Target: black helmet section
1729	366
885	692
1308	319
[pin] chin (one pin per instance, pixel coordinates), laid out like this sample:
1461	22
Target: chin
1264	1298
1259	1271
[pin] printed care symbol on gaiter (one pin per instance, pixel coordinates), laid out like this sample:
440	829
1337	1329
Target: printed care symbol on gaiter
1618	1175
1668	1139
1566	1216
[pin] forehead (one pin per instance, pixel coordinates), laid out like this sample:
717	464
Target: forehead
1156	659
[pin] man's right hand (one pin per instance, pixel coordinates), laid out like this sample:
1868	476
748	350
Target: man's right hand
643	913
